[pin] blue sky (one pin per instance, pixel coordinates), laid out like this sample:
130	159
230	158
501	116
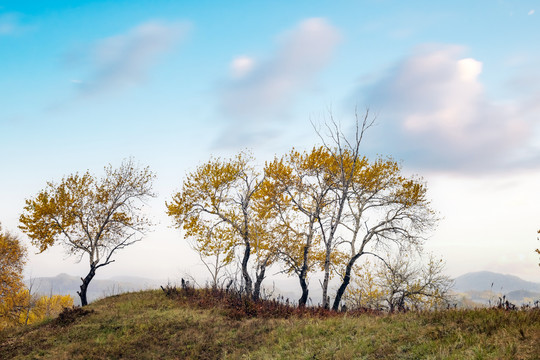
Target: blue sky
455	87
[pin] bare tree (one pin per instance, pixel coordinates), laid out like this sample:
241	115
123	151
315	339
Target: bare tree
401	282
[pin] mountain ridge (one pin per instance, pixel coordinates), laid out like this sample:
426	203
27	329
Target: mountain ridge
492	281
65	284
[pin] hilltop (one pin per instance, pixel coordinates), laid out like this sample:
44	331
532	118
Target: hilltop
200	324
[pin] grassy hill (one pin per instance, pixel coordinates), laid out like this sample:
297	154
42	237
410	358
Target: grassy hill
201	324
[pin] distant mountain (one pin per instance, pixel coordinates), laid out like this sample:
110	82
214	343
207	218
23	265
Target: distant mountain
486	288
64	284
490	281
523	296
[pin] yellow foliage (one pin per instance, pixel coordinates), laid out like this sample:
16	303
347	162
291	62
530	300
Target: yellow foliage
17	306
12	260
91	216
24	308
48	306
218	210
86	213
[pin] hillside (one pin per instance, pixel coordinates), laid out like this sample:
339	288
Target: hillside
200	325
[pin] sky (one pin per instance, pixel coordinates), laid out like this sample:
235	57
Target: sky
454	87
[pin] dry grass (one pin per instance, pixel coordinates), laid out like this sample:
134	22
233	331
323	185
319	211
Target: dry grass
205	324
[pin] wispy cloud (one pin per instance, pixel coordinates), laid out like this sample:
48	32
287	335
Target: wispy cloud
530	12
125	60
10	24
435	114
259	90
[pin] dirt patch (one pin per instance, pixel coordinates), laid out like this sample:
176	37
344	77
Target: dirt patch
70	315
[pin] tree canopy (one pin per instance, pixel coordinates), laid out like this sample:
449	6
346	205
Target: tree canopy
12	260
318	209
91	216
216	207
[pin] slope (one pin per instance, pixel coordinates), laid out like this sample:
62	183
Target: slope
149	325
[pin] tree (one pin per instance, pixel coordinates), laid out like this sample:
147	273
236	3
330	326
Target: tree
296	195
365	290
401	282
91	216
38	308
216	208
372	205
343	163
334	205
384	209
12	260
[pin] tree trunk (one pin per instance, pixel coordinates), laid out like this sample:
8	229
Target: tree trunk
326	299
245	273
345	282
84	286
302	275
303	299
303	283
258	282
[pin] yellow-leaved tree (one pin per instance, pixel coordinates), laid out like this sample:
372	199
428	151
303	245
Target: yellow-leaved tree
216	209
18	306
297	200
35	308
91	216
12	260
334	205
384	209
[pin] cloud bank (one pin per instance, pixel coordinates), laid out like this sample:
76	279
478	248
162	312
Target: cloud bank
261	91
125	60
434	113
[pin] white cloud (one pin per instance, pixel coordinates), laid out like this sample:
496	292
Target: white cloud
241	66
434	113
125	59
530	12
270	86
259	94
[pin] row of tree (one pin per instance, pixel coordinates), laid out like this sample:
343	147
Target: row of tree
306	211
317	210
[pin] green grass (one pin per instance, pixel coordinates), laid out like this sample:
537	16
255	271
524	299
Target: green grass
150	325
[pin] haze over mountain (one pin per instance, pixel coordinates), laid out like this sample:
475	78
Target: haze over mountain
473	284
64	284
487	280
